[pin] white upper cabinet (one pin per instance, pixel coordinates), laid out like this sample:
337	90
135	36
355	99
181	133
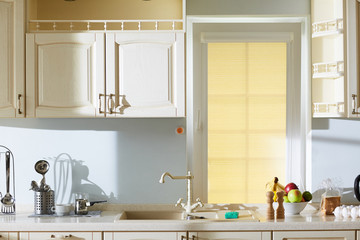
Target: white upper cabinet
353	41
12	58
65	74
145	74
328	58
335	84
85	63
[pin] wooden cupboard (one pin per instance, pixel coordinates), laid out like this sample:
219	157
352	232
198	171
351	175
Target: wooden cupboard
93	65
230	236
311	235
64	74
187	235
144	235
145	74
60	235
335	58
12	80
8	235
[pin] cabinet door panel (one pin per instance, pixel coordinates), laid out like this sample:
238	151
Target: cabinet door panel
8	236
314	235
66	76
147	69
143	235
11	58
228	235
59	235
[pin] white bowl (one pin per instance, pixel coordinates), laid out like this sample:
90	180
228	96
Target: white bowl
294	208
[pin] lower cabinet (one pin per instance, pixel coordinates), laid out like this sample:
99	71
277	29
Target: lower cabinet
229	236
187	236
8	235
312	235
144	235
60	235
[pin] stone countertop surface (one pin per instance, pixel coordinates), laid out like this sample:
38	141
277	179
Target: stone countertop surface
309	219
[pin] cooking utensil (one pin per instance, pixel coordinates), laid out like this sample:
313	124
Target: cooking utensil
8	200
42	167
81	206
356	187
34	186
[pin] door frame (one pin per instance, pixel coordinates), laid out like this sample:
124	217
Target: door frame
196	122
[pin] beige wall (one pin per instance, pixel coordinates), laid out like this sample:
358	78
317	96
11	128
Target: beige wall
247	7
105	9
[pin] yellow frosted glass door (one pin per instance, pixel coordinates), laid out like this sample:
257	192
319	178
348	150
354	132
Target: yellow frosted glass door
246	120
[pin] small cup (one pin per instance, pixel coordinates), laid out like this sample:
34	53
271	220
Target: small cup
80	203
62	209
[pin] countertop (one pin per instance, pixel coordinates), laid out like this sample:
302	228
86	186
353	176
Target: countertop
309	219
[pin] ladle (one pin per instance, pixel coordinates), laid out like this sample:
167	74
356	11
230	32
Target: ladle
7	200
42	167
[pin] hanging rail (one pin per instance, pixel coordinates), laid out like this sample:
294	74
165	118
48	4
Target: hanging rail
105	25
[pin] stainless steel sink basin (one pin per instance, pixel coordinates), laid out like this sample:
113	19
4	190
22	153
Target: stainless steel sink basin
244	215
150	215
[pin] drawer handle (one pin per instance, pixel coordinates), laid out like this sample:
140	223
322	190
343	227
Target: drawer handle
193	237
60	236
19	103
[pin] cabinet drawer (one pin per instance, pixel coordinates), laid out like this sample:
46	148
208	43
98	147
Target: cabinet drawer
8	236
59	235
144	235
314	235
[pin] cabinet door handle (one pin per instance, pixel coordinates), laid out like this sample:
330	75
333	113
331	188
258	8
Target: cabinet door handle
19	103
193	237
354	107
100	102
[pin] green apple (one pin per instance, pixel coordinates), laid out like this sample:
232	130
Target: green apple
286	199
307	196
294	196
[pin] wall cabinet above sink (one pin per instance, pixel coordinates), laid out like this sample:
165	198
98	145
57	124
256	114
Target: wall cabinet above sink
144	75
78	68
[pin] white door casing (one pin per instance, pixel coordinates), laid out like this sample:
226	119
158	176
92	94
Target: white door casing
298	149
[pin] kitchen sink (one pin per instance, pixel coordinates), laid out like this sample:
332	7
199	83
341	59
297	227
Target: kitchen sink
244	215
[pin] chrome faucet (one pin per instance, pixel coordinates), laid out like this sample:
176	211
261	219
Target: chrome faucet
189	207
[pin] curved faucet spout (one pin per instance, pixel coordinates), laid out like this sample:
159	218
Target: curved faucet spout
162	178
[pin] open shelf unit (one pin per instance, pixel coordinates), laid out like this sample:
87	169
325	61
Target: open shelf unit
327	28
325	110
328	58
328	70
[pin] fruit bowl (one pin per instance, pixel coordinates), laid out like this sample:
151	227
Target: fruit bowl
294	208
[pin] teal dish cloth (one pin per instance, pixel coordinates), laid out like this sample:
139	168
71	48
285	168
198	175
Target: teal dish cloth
231	215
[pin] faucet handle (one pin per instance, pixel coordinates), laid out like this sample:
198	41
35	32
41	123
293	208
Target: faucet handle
199	202
178	203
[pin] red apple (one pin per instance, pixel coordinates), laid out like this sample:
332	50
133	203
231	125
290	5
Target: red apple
294	195
290	186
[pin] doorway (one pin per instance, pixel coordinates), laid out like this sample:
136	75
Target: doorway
246	119
207	156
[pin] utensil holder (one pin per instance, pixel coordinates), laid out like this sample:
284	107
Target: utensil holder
44	203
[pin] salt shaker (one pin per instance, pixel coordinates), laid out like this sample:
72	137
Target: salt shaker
270	209
280	211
